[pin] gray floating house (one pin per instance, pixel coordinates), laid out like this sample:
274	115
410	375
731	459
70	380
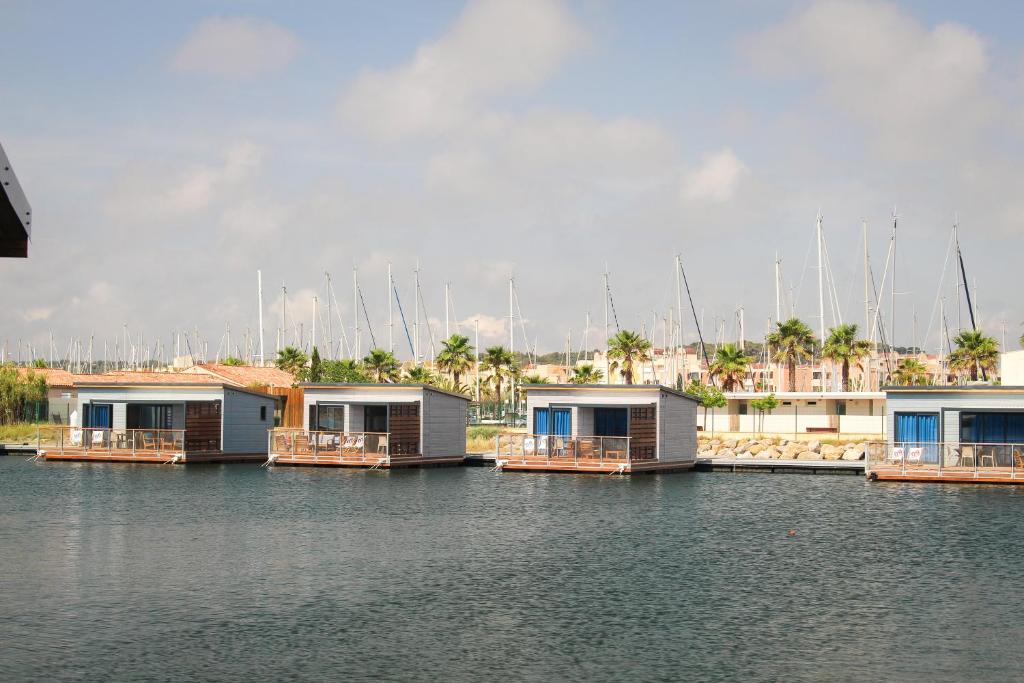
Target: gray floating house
610	428
164	417
375	426
953	433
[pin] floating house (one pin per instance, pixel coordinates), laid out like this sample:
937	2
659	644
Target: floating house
164	418
609	428
952	434
379	426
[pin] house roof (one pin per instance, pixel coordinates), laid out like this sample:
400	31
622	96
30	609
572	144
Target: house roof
15	213
55	377
148	379
812	395
609	387
245	375
374	385
954	389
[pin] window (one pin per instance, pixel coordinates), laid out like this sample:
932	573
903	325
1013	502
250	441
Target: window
840	407
554	421
611	422
992	427
812	403
743	407
263	413
330	418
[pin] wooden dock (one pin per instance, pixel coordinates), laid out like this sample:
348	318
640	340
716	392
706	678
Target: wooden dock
580	466
368	462
149	457
949	475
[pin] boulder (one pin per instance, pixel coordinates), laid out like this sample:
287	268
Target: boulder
813	445
726	453
808	455
730	444
855	452
831	452
792	449
745	454
767	454
755	448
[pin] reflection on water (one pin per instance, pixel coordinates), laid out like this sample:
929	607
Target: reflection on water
234	572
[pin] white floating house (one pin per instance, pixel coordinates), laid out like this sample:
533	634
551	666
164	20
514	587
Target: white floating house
375	425
603	428
164	417
952	434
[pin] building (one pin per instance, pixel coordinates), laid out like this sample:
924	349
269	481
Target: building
952	434
376	426
162	418
270	380
1011	368
603	428
851	413
60	393
15	213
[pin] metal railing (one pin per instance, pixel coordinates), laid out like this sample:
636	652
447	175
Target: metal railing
960	458
134	443
564	449
374	447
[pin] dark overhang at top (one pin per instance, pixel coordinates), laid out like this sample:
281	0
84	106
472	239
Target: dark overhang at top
15	213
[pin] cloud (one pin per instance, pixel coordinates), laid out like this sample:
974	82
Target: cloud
236	48
493	330
39	313
919	89
716	179
496	47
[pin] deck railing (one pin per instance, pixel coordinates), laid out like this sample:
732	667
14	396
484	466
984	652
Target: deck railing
563	449
959	458
330	445
134	443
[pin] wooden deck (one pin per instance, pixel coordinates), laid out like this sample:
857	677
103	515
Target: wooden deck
377	462
153	457
949	475
594	466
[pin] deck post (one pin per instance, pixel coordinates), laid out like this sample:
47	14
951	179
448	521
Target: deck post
134	434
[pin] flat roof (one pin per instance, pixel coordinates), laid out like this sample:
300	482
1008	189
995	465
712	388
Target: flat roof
807	394
955	389
15	213
610	387
381	385
172	382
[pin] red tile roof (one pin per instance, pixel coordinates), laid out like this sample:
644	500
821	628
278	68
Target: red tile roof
169	378
55	377
245	375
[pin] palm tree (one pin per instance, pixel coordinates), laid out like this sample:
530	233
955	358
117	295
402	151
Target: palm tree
535	379
626	349
910	371
291	360
731	364
501	363
382	366
456	356
586	373
975	351
792	340
842	346
420	375
344	371
232	360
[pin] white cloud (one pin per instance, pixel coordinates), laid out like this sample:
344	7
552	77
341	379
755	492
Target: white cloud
493	330
919	89
39	313
716	179
496	47
236	47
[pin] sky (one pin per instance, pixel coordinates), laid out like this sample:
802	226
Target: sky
171	150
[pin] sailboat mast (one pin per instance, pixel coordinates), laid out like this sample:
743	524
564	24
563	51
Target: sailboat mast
821	288
892	287
259	303
391	314
511	319
355	310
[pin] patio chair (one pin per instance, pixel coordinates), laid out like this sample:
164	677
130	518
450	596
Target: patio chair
968	453
559	448
529	445
895	457
914	456
97	438
586	449
382	445
148	441
177	442
76	437
326	441
1018	460
987	454
542	446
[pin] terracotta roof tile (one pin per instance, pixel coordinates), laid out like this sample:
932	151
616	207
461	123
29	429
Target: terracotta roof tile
245	375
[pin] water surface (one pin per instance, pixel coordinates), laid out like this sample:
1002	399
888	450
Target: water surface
235	572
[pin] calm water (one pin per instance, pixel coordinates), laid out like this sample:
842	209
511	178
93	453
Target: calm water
120	572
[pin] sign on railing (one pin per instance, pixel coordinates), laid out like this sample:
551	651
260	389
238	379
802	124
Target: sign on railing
953	458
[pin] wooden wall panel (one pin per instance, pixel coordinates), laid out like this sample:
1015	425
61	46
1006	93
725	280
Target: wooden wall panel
202	425
404	427
643	431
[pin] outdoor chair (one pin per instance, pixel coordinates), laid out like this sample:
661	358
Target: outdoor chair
914	456
76	437
895	457
967	454
97	438
542	446
382	445
529	444
586	449
988	454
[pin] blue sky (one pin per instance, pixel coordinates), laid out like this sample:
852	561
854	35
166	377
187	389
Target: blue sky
170	150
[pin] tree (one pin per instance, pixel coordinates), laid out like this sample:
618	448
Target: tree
342	372
710	397
910	371
315	373
731	364
975	352
291	360
39	363
586	373
843	347
792	340
231	360
456	356
626	349
764	404
420	375
501	363
382	366
17	391
535	379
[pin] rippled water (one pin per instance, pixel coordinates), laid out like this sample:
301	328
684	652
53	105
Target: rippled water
120	572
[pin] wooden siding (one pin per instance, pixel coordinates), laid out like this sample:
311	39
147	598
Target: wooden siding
677	428
404	428
202	425
444	425
291	404
643	431
244	431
